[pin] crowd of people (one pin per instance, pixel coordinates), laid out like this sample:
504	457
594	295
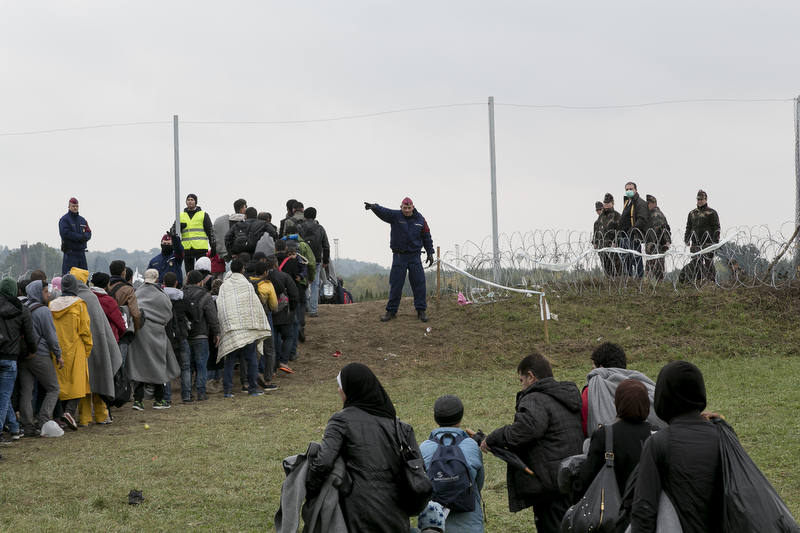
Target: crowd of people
554	424
643	227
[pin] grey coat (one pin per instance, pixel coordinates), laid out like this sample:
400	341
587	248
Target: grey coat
321	514
105	359
150	356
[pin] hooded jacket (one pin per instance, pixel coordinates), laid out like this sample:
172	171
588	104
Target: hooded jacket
546	430
17	326
203	312
71	318
42	321
111	310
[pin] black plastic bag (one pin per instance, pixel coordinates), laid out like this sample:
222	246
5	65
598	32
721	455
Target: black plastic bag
751	503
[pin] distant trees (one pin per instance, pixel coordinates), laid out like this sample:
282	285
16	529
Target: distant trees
40	257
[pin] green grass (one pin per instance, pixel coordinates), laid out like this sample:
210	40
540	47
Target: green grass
216	466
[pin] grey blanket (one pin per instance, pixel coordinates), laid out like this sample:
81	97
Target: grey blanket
602	386
105	359
150	356
321	514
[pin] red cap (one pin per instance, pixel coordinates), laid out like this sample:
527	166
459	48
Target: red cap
407	201
73	200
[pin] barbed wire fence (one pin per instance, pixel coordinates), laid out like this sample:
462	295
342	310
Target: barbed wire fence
561	261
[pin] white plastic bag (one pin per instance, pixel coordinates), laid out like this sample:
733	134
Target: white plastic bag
52	429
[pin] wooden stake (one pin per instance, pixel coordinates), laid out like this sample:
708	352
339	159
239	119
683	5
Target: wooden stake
438	269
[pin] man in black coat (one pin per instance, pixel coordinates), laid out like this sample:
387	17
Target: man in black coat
632	227
546	430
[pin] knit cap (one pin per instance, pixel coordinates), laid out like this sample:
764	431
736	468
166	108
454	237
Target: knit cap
448	410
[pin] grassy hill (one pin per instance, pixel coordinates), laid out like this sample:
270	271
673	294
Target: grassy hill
216	465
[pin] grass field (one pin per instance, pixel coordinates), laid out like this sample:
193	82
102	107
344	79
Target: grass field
216	466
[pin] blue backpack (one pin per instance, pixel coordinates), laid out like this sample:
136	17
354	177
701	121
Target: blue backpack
449	475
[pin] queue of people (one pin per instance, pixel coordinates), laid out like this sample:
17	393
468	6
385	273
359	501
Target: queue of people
643	227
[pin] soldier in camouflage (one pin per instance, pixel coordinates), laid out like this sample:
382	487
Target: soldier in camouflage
597	234
657	239
605	236
702	231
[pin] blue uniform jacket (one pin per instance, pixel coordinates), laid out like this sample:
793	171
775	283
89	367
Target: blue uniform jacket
74	231
471	522
408	234
170	263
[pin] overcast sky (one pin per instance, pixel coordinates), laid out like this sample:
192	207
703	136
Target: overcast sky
82	64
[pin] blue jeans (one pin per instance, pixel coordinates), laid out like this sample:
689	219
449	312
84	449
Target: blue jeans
282	333
250	353
198	358
313	301
8	375
402	263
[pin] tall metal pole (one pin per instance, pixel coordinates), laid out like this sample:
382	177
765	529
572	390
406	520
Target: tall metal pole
796	254
177	179
492	164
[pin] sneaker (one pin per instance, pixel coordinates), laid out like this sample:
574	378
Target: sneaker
138	406
106	421
314	315
245	387
31	433
388	316
201	397
168	402
69	421
229	395
189	400
161	405
259	392
4	441
269	387
18	435
261	380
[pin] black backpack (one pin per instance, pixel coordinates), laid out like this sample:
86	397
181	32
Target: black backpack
313	239
122	389
241	237
449	475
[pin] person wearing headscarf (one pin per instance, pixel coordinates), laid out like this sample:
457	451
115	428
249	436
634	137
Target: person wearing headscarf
40	367
150	355
693	474
105	358
73	327
363	433
631	430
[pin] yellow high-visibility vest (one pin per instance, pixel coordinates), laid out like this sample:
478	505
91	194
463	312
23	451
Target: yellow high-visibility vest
193	236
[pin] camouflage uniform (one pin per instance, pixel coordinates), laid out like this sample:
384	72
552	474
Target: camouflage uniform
702	230
657	241
606	237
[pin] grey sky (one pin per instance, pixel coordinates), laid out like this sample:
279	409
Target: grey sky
75	64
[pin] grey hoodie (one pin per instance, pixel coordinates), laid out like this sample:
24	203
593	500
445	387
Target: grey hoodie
42	321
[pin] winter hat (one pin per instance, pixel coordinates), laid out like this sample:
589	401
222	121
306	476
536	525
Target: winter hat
56	282
151	276
73	200
432	518
632	401
598	205
100	279
310	212
701	195
194	277
608	198
69	285
190	195
8	288
448	410
407	201
259	255
204	263
680	388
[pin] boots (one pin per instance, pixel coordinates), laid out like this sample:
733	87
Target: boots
421	315
388	316
214	386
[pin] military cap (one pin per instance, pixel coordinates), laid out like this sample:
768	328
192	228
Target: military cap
651	199
701	195
609	198
598	205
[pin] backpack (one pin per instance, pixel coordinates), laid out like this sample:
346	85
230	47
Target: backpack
313	239
122	389
283	298
449	475
241	237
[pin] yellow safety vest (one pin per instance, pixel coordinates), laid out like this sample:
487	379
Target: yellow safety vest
193	236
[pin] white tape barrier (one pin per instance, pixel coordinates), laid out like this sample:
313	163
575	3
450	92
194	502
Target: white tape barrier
557	267
542	302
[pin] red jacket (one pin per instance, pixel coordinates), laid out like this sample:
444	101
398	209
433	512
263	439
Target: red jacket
111	309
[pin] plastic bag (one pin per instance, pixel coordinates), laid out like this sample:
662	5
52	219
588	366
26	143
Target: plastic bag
751	503
52	429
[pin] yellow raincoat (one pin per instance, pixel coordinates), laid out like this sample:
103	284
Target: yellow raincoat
71	318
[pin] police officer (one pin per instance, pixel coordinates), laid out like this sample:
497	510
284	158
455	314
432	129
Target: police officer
409	234
75	233
197	233
702	231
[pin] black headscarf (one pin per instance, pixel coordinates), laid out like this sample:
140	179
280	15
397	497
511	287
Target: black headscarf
69	285
363	390
632	401
680	388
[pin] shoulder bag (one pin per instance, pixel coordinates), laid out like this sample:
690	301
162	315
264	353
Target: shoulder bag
414	489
